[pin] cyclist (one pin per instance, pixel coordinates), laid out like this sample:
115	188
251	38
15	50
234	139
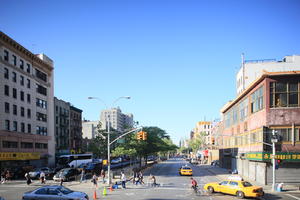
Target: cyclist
194	184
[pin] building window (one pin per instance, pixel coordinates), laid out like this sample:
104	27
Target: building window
6	90
21	64
28	113
41	117
9	144
15	111
23	127
28	83
41	130
41	103
7	125
6	73
6	55
40	89
257	100
21	80
6	107
243	109
28	98
26	145
22	111
28	128
14	60
41	75
41	146
14	77
284	94
14	93
22	95
284	133
15	126
28	68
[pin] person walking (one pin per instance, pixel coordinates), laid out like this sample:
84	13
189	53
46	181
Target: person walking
123	179
153	181
94	180
102	174
82	176
43	177
141	178
28	179
3	176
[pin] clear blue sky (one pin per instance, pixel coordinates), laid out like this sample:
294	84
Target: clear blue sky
177	59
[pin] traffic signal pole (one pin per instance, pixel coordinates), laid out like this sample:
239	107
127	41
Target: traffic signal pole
274	160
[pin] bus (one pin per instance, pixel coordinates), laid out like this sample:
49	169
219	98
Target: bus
74	160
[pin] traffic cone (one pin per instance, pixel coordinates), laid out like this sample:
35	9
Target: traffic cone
111	188
95	195
104	191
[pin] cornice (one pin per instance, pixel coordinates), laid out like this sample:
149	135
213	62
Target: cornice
7	41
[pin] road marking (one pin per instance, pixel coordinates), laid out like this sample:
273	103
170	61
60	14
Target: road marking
292	196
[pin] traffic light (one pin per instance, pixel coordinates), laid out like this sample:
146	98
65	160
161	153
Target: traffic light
139	135
144	135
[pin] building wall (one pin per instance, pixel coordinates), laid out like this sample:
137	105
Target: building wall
75	129
89	129
31	119
117	119
253	70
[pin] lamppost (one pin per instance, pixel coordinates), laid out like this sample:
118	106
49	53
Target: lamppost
108	132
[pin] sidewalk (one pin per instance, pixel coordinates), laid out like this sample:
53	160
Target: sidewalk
223	174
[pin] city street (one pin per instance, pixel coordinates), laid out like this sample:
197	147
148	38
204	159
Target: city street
172	186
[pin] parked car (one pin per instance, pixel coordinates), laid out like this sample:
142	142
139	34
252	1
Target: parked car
66	174
235	187
116	160
54	192
35	174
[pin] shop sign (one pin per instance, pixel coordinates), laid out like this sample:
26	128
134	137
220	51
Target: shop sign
19	156
267	156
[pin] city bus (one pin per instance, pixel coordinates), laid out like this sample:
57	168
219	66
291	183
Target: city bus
74	160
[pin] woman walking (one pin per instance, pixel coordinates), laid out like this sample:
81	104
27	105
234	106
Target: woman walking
94	180
123	179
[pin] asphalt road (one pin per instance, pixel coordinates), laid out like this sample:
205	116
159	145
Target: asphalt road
172	186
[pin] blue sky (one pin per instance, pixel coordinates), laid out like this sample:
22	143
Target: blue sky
177	59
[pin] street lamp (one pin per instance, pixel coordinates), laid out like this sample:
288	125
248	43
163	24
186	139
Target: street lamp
108	132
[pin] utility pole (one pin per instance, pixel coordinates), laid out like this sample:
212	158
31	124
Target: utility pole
274	140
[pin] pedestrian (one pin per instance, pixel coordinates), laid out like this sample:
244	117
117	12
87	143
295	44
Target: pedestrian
28	179
43	177
123	179
82	177
141	178
136	179
3	176
7	175
153	181
94	180
102	174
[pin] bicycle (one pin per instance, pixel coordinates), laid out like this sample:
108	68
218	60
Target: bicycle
196	190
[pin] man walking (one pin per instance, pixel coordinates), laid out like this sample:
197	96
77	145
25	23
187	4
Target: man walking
43	177
102	174
28	179
123	179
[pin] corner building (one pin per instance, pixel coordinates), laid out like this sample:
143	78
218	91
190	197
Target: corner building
26	106
271	102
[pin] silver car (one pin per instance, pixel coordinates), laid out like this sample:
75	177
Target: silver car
54	192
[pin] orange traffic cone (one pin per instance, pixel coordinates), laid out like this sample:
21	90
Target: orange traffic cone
111	188
95	195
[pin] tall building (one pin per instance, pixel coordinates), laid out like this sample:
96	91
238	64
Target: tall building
271	103
62	126
26	106
118	120
75	129
68	128
89	129
252	69
203	130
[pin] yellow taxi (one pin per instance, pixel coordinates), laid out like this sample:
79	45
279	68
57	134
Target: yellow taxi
185	171
239	188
